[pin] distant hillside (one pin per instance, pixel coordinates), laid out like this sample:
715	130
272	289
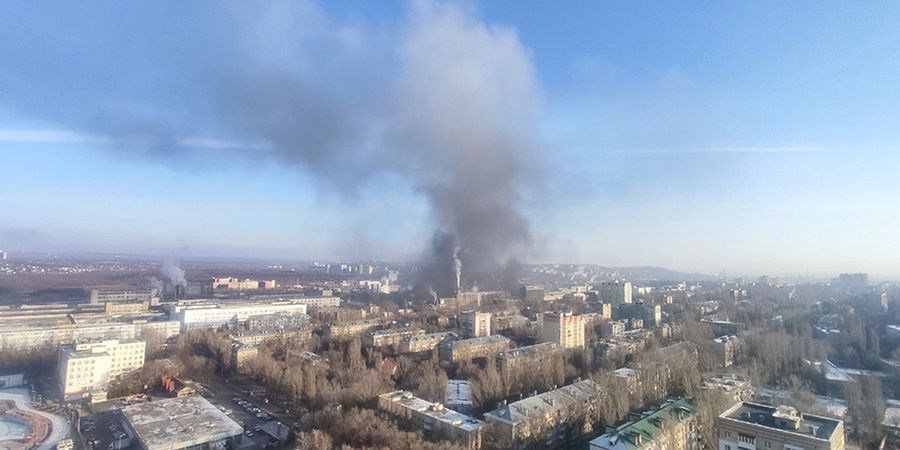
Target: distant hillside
650	273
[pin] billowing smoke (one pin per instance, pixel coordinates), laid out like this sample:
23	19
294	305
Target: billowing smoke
454	113
173	273
441	100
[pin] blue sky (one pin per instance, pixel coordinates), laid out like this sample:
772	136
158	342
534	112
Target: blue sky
755	138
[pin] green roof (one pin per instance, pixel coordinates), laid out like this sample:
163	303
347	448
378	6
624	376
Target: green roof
652	424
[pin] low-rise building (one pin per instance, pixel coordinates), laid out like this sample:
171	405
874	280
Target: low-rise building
752	425
182	423
140	295
434	419
126	307
426	342
468	349
85	369
352	328
672	426
384	339
551	418
609	329
458	396
241	355
736	387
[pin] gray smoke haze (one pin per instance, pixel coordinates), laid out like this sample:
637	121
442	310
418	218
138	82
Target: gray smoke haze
440	99
173	273
454	112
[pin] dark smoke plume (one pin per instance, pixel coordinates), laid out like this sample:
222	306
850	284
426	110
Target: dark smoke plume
442	100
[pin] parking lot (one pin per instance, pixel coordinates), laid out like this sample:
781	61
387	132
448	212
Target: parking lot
261	427
105	431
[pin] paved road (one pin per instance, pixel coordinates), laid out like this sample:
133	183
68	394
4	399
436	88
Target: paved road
59	427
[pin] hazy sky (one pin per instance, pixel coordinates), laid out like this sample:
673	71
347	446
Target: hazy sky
756	138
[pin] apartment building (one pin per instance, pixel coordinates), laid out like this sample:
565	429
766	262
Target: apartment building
565	328
728	349
529	359
474	324
468	349
433	419
384	339
426	342
754	426
352	328
609	329
671	426
550	418
458	396
85	369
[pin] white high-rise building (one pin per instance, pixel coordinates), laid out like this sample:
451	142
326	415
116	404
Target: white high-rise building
86	368
566	329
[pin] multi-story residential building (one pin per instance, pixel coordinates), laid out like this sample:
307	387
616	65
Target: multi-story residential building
606	310
434	419
615	292
508	321
614	328
100	296
426	342
550	418
199	315
467	349
258	336
278	322
474	324
86	368
241	354
458	396
753	426
304	356
527	360
736	387
672	426
352	328
566	329
384	339
728	349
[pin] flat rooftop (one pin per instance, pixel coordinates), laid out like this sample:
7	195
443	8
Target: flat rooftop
434	410
774	417
530	350
179	423
484	340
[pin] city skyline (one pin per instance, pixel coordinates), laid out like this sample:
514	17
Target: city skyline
754	140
